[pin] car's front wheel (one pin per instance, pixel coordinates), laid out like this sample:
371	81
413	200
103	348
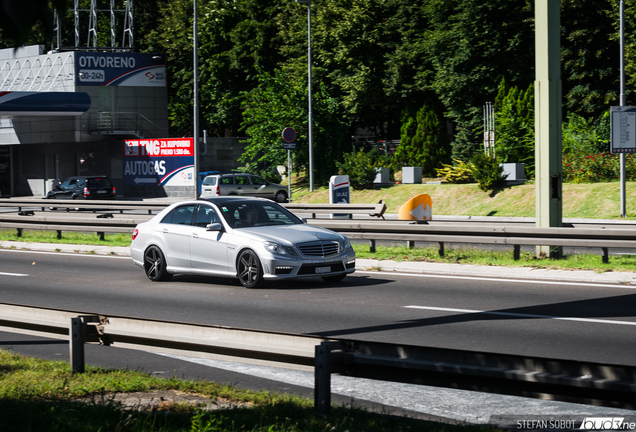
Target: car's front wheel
155	265
249	269
281	197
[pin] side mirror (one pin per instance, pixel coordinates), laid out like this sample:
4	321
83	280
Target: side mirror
214	227
304	220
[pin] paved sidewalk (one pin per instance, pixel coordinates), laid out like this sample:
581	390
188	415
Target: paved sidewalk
467	270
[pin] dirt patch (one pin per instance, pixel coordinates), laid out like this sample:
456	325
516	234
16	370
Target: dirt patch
162	400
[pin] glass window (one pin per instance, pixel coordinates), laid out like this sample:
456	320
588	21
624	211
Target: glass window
205	216
256	180
180	215
255	213
209	181
241	180
227	180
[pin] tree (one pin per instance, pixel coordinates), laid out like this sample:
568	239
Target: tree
423	141
589	56
280	101
514	125
19	18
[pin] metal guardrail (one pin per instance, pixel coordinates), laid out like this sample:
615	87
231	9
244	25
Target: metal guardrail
515	235
574	381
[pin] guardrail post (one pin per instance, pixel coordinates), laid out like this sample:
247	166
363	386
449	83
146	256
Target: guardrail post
371	246
76	345
441	249
516	252
410	244
322	378
605	255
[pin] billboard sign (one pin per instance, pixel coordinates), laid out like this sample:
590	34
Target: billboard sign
120	69
623	126
159	162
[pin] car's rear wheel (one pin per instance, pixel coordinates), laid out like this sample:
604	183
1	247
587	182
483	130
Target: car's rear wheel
249	269
333	279
281	197
155	265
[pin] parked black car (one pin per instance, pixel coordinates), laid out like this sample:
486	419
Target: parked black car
84	187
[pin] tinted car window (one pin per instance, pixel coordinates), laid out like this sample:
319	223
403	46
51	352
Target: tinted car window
227	180
246	215
179	215
258	181
241	180
205	216
99	182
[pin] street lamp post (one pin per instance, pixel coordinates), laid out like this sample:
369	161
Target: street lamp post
311	148
195	49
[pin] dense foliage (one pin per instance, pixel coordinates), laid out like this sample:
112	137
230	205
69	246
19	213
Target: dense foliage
373	60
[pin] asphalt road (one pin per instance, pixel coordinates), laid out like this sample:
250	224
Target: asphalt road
531	318
576	320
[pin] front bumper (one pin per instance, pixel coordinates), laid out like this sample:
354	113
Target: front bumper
290	268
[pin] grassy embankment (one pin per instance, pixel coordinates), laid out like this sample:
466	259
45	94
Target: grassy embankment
587	201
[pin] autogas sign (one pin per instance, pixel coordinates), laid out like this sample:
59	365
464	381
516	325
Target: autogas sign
159	162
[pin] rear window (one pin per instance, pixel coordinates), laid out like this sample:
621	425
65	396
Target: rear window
209	181
99	182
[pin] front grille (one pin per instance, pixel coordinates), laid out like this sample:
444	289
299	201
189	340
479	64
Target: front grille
319	249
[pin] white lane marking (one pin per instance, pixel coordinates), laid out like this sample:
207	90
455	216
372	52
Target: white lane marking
495	279
12	274
75	254
518	315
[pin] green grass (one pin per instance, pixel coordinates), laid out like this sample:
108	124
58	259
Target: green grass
39	395
590	200
476	256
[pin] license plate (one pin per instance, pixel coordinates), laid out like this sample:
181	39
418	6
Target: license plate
323	269
101	191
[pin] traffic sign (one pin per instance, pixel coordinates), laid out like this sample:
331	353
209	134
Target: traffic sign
289	145
417	208
289	134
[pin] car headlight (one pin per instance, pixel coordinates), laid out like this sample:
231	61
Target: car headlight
276	248
345	244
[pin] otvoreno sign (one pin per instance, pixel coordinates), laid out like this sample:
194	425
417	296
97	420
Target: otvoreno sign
159	162
120	69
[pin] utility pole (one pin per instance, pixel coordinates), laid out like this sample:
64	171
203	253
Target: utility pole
548	119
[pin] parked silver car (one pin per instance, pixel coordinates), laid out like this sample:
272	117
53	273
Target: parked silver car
252	239
244	185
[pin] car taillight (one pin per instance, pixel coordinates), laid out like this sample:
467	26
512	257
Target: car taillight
218	189
135	233
114	191
86	192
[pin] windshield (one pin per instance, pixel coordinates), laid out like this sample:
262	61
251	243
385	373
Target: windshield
257	214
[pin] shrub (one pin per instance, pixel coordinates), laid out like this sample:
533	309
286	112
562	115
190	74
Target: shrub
460	173
487	172
600	167
360	167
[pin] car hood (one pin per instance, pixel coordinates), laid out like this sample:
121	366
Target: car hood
289	234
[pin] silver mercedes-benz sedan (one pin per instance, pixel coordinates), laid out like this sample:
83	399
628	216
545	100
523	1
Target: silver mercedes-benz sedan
252	239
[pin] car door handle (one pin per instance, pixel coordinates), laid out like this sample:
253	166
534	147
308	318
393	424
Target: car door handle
195	235
165	231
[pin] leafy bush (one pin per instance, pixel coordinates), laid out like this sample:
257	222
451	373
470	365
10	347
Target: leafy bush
423	139
487	172
360	167
460	173
600	167
586	136
515	125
